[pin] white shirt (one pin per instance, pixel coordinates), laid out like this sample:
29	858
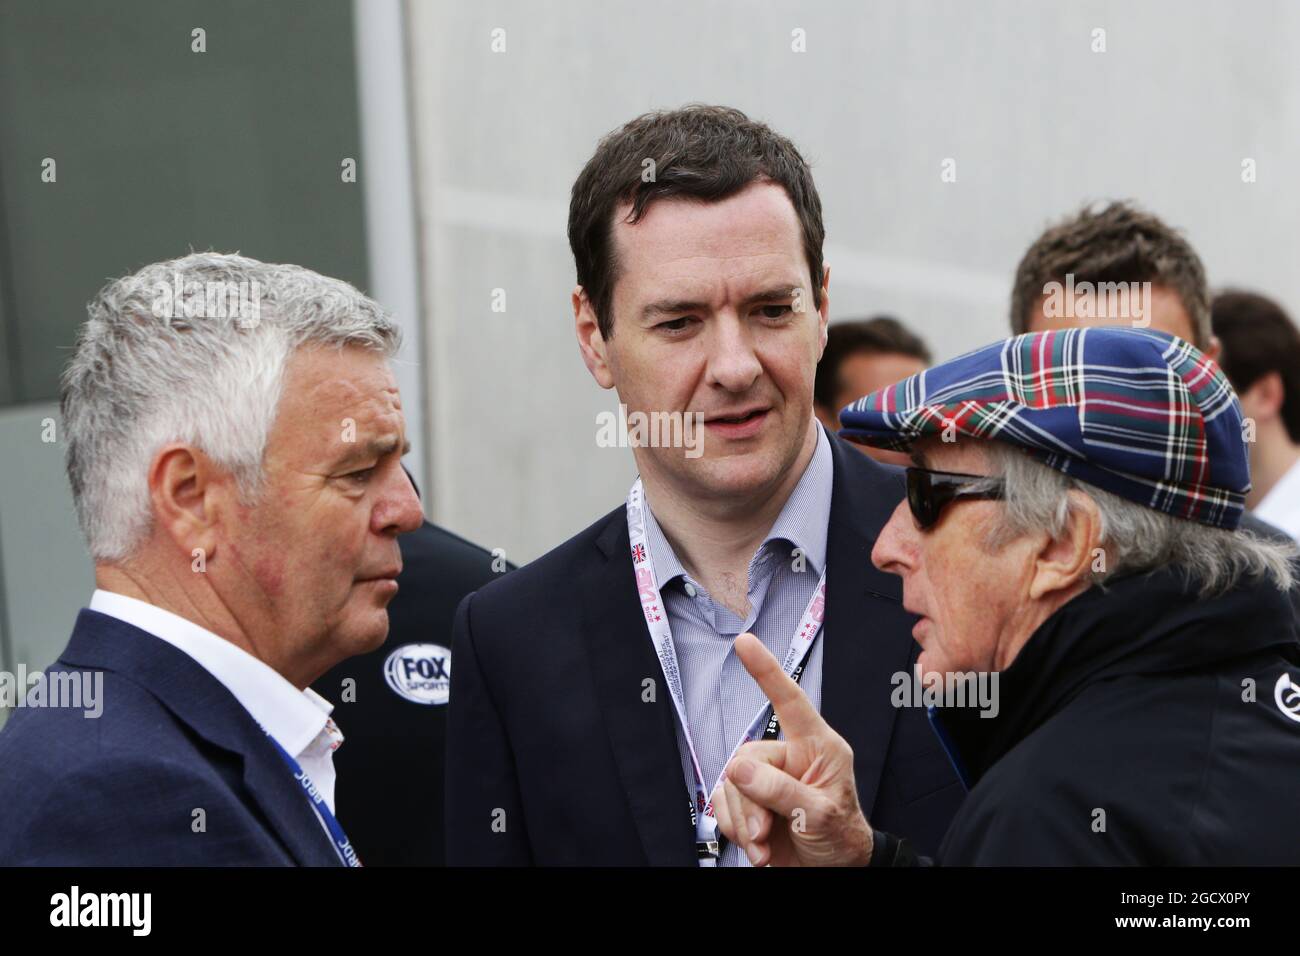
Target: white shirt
298	719
1281	506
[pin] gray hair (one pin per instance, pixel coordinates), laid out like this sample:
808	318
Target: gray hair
1133	538
192	350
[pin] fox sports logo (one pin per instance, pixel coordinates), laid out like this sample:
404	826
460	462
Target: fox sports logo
420	673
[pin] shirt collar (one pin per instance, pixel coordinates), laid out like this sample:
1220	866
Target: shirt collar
806	517
803	521
293	717
1281	506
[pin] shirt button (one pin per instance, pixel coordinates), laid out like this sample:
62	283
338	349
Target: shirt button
690	589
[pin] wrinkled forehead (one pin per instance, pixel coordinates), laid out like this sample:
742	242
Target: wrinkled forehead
334	394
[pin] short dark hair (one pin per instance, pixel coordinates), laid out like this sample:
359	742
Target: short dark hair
705	152
1119	243
883	335
1259	337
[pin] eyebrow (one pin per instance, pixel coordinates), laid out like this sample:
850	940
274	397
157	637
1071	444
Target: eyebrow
375	448
917	458
678	306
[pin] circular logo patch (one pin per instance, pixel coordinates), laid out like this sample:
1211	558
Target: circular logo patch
420	673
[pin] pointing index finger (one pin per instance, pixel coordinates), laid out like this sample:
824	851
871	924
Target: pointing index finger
793	708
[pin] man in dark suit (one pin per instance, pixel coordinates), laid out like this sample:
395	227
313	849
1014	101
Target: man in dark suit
596	696
391	773
238	479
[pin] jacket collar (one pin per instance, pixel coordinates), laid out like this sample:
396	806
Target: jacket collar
199	700
1148	623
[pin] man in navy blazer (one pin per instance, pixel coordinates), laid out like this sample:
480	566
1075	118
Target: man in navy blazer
175	772
596	696
236	472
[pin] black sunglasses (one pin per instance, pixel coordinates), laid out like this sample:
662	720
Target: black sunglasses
928	492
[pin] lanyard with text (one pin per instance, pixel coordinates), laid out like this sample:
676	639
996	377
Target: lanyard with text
342	846
763	725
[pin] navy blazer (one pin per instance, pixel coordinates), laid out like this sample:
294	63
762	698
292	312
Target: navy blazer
122	789
553	756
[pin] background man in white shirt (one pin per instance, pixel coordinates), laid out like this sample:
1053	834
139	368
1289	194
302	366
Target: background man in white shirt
234	437
1261	357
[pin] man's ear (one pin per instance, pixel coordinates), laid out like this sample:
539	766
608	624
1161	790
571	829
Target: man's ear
1263	400
590	341
825	310
184	490
1066	561
1213	348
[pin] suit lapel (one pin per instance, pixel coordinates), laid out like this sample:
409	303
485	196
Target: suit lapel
868	634
204	704
642	734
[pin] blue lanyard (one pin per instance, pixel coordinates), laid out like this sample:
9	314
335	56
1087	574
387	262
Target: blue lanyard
342	845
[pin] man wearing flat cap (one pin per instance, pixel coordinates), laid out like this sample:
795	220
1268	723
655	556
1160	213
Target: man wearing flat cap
1070	543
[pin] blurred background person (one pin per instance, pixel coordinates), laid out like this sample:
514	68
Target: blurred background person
1261	357
861	356
1118	243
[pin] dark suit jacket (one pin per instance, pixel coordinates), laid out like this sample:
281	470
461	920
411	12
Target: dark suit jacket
390	768
553	756
122	789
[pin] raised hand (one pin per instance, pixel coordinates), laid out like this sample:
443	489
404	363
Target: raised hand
791	802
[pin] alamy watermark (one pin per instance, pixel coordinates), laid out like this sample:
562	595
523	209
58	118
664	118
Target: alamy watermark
1098	300
240	300
950	689
651	430
79	690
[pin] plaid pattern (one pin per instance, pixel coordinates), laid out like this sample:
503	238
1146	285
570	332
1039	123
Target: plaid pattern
1137	412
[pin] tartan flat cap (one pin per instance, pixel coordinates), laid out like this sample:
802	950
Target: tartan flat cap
1136	412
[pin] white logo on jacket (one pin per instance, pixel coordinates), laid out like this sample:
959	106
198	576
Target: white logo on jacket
1286	693
420	673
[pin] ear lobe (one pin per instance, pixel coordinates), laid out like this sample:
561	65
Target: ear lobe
591	343
1066	561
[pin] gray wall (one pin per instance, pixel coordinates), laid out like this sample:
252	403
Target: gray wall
1036	121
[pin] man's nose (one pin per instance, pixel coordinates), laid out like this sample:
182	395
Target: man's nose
895	549
399	511
733	364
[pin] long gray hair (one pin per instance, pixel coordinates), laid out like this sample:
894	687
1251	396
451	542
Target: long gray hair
1133	538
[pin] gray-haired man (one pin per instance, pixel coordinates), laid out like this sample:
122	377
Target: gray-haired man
234	438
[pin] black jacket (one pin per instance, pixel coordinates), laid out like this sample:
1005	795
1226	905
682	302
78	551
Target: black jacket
1139	726
553	757
390	768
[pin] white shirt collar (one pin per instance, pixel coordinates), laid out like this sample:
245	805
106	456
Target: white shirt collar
1281	506
295	718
